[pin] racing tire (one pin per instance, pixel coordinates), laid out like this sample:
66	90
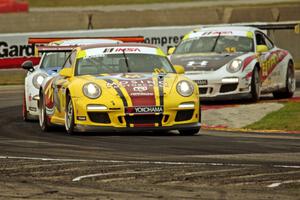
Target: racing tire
189	132
69	117
290	84
25	113
43	119
255	85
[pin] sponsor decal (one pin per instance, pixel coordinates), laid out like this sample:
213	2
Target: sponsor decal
141	94
128	49
137	85
145	109
169	41
121	49
132	76
140	88
217	33
49	97
108	50
201	82
15	50
194	64
271	62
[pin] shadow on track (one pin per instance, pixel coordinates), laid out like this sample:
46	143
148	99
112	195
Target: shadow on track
59	130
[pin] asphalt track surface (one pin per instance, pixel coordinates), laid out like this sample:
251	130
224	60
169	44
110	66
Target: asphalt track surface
211	165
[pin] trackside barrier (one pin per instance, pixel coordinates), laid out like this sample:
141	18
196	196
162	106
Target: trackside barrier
14	48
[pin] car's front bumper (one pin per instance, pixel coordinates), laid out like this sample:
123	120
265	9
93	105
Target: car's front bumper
90	128
116	117
222	87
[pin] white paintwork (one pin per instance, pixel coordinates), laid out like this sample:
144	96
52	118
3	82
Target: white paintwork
276	79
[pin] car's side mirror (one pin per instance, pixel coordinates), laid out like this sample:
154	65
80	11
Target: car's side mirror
67	72
28	65
179	69
171	50
261	48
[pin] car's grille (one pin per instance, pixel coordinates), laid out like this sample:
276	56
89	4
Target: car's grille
202	90
228	87
143	119
184	115
99	117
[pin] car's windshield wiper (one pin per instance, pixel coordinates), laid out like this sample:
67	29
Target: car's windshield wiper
126	61
215	44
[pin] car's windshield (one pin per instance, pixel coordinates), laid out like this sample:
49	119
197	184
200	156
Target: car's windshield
122	63
218	44
54	60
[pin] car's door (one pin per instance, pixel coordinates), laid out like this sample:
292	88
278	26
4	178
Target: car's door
268	61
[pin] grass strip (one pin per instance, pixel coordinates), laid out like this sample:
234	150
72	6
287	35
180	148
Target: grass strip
286	118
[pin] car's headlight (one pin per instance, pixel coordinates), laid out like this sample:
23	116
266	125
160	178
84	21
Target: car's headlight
185	88
91	90
234	66
38	80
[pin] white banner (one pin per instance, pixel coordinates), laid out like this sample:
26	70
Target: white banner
16	45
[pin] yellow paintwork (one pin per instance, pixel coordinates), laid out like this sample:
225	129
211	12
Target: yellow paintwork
179	69
261	48
250	34
73	85
171	50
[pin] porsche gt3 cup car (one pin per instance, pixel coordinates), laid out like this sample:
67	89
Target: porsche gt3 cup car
235	61
120	87
52	59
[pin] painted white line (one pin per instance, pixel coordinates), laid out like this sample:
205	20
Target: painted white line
129	161
283	182
273	185
44	159
112	173
146	162
287	166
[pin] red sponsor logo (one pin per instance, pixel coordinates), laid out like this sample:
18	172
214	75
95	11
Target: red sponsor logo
217	33
127	49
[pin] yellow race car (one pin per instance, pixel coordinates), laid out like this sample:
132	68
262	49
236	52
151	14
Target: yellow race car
120	87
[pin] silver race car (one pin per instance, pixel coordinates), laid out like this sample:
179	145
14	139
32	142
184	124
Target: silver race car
52	59
235	62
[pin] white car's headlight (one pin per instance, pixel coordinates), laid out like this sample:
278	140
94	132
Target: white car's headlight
38	80
235	66
185	88
91	90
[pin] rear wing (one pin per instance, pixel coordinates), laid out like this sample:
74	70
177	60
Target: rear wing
41	45
44	49
292	25
39	50
43	41
268	26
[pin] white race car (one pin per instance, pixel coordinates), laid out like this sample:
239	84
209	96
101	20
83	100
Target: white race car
53	57
235	62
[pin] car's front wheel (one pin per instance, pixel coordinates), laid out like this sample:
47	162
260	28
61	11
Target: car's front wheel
290	84
69	116
25	113
43	119
255	85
